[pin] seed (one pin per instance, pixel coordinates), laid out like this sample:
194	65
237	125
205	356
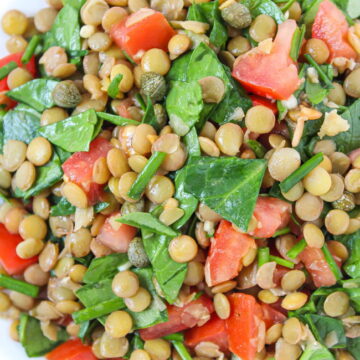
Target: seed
48	257
294	301
158	349
265	275
208	147
79	242
212	88
229	138
183	248
313	236
317	182
337	221
29	248
33	226
140	141
41	207
273	334
5	178
224	287
5	302
267	297
25	176
286	351
340	163
68	306
137	162
139	302
293	280
283	162
336	189
309	207
23	302
14	154
75	195
260	119
194	274
222	306
352	181
13	218
117	162
36	276
292	331
14	22
18	77
51	116
118	324
159	189
125	284
113	347
170	216
139	354
337	304
295	192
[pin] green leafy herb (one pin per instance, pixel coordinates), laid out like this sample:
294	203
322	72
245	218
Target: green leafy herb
19	286
315	351
74	133
32	338
257	148
228	185
266	7
263	256
62	208
353	346
181	350
146	174
101	206
323	76
113	89
297	249
316	92
332	263
179	67
35	93
6	69
116	120
150	116
282	262
191	141
148	222
30	49
297	42
301	172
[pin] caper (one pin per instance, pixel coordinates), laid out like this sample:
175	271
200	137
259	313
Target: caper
346	202
153	85
136	253
66	94
160	114
129	207
237	15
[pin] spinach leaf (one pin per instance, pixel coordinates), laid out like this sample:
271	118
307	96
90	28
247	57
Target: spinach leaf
63	155
33	340
352	242
46	176
74	133
150	116
77	4
267	7
351	7
168	273
178	70
21	124
184	105
100	206
228	185
315	351
148	222
191	141
2	115
354	347
105	267
62	208
36	93
116	120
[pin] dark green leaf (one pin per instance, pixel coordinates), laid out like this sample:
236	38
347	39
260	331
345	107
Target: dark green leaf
116	120
179	67
257	148
62	208
113	89
63	155
266	7
316	92
354	347
101	206
35	93
150	116
191	141
228	185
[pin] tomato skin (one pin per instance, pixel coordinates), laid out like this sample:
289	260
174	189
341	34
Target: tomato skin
71	350
180	319
115	235
79	167
316	265
273	75
330	25
152	31
226	251
214	331
272	214
258	100
11	262
271	316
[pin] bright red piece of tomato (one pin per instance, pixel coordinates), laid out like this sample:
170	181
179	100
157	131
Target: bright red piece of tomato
271	316
146	29
258	100
330	25
71	350
226	251
273	75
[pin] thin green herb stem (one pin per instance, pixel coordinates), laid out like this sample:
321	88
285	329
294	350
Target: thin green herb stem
113	89
19	286
263	256
116	119
257	148
146	174
320	71
141	101
282	262
283	231
6	69
287	6
301	172
181	350
332	263
297	249
30	49
174	337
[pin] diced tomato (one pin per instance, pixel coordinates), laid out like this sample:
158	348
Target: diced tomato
258	100
123	106
72	350
115	235
226	251
79	168
316	265
271	316
214	331
243	325
11	262
272	214
273	75
146	29
197	312
330	25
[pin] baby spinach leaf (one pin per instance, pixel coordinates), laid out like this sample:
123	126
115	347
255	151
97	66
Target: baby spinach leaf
315	351
74	133
21	124
77	4
62	208
105	267
148	222
178	70
353	346
266	7
35	93
191	141
168	273
32	338
228	185
184	104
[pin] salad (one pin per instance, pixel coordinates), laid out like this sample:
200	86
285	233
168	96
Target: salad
180	179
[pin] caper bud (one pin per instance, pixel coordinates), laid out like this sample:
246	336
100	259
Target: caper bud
160	114
153	85
128	207
346	202
66	94
236	15
136	253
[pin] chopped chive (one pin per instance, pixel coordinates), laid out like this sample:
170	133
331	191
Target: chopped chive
257	148
146	174
6	69
98	310
283	231
301	172
332	264
282	262
287	5
181	350
296	43
320	71
30	49
128	57
19	286
297	249
141	101
191	141
113	89
174	337
117	120
263	256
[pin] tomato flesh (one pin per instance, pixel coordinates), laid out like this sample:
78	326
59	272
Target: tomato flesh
226	252
146	29
330	25
271	316
273	75
79	168
180	318
72	350
258	100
